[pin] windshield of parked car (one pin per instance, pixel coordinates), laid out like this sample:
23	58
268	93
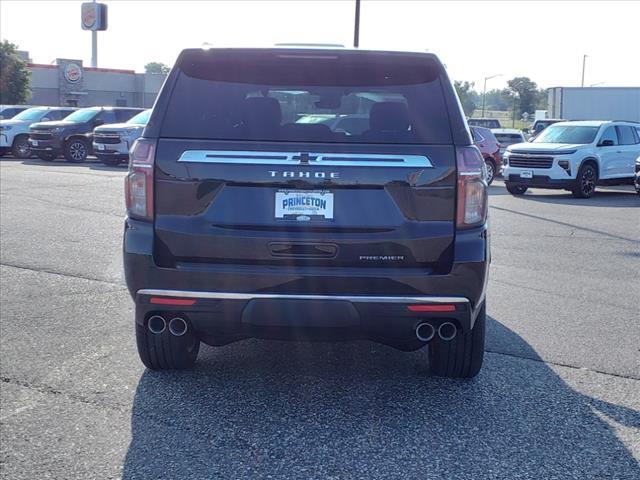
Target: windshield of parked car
140	119
567	134
31	114
83	115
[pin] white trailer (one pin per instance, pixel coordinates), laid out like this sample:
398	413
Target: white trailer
595	103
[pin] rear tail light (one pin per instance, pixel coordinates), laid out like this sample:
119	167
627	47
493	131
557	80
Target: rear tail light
472	188
138	184
432	308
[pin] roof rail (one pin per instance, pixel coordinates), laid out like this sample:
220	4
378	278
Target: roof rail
316	45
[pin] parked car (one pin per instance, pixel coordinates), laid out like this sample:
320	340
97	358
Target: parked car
636	179
508	136
575	156
111	143
14	133
242	225
10	111
484	139
73	136
484	122
539	125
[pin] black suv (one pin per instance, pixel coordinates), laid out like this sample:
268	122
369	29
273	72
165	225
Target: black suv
243	222
73	136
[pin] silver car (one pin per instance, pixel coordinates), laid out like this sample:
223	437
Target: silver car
111	143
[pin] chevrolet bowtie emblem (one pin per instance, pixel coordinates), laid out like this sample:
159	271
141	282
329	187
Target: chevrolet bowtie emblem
304	158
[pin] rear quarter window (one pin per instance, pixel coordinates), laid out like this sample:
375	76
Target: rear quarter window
310	99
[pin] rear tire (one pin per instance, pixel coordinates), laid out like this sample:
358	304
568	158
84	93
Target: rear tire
516	189
76	150
164	351
461	357
585	184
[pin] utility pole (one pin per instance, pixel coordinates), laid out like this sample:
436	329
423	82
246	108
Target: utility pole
356	30
94	48
584	61
484	90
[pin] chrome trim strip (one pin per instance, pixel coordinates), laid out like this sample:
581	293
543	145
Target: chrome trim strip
238	157
262	296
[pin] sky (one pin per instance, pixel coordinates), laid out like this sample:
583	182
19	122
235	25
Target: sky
544	40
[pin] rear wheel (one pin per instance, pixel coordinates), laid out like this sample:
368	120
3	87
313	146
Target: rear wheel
46	156
491	170
76	150
585	184
516	189
20	148
462	356
160	349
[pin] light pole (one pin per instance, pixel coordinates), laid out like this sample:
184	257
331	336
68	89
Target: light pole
584	61
484	91
356	29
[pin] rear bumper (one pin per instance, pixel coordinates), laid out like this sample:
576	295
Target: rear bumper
234	302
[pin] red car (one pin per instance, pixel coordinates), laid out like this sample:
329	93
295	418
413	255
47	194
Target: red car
484	139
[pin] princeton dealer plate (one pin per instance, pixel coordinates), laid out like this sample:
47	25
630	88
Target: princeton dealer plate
307	205
526	174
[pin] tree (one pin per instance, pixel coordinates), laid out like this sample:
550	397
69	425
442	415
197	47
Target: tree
527	93
499	99
156	67
14	75
468	97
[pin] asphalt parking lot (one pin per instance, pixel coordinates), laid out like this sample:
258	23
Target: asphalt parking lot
558	397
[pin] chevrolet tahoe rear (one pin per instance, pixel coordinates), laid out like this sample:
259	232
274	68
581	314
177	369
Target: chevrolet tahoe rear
244	222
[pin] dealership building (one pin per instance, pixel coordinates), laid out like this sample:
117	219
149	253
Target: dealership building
67	82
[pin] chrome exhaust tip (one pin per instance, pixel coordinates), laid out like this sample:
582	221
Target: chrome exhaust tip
178	327
447	331
425	332
156	324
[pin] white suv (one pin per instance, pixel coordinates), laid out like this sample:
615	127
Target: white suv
14	133
574	156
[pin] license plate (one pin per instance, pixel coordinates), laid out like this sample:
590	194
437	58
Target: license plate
34	143
310	204
100	146
526	174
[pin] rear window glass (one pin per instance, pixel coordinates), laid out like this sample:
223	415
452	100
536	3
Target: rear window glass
308	98
508	138
484	123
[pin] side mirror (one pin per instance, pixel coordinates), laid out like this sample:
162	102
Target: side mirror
606	143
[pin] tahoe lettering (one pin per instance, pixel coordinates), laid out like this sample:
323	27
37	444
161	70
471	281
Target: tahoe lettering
290	174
